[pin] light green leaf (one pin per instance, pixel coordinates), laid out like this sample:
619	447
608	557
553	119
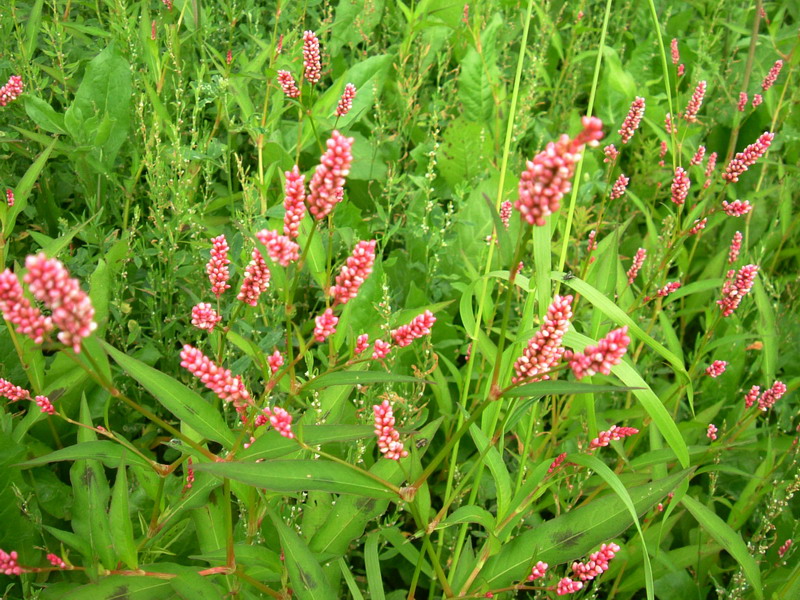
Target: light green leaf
120	521
360	378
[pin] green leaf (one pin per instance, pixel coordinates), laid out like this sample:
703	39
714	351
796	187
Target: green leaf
373	567
120	521
24	188
768	329
182	402
469	514
273	445
561	388
728	539
44	115
121	587
479	74
360	378
109	453
493	460
294	476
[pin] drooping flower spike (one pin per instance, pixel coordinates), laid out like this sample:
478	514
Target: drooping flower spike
355	271
388	437
544	350
217	379
602	357
747	157
288	84
736	286
420	326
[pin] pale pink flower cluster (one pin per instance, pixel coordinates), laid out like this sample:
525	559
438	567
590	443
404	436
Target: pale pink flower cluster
538	571
698	226
567	586
275	361
388	437
256	279
737	208
280	248
218	379
676	56
288	84
217	267
636	265
11	90
668	289
680	186
611	153
56	561
10	197
711	432
547	178
381	350
716	368
736	247
8	563
204	316
312	68
505	213
736	286
698	156
784	548
681	69
355	271
294	201
693	107
604	438
769	80
597	564
747	158
620	185
362	343
662	152
13	392
592	245
771	396
189	470
71	308
752	396
18	310
740	106
279	418
757	100
325	325
600	358
545	349
420	326
43	402
669	125
346	101
327	184
632	119
712	163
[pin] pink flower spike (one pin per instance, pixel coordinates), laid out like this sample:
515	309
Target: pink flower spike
355	271
737	208
217	267
288	84
636	265
711	433
275	361
280	420
611	153
680	186
18	310
771	396
662	152
388	437
10	197
742	104
56	561
153	30
381	350
538	571
592	245
72	310
690	114
784	548
544	349
757	100
280	248
620	185
698	226
752	396
698	156
11	90
736	286
505	213
8	563
346	101
256	279
669	125
327	183
736	246
419	327
362	343
676	56
312	68
668	289
325	325
294	202
604	438
13	392
556	463
769	80
716	368
632	119
189	472
217	379
602	357
43	402
747	157
229	57
681	69
204	316
567	586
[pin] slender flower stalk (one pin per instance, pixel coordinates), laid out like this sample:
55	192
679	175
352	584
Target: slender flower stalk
312	67
355	271
388	437
346	101
545	350
747	157
680	186
632	120
294	202
602	357
327	184
217	267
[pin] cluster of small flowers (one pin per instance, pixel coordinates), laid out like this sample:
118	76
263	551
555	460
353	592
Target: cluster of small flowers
388	437
355	271
712	163
43	402
217	267
505	213
11	90
8	563
256	279
204	316
346	101
294	202
711	432
544	349
632	120
638	261
604	438
620	185
275	361
56	561
698	156
668	289
784	548
13	392
747	157
600	358
769	80
757	100
768	398
698	226
680	186
381	349
280	248
597	564
567	586
693	107
716	368
325	325
662	152
547	178
288	84
167	3
189	476
669	125
420	326
676	56
611	153
18	310
362	343
740	106
327	183
218	379
10	197
737	208
556	463
591	246
538	571
752	396
736	246
735	288
312	67
279	418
